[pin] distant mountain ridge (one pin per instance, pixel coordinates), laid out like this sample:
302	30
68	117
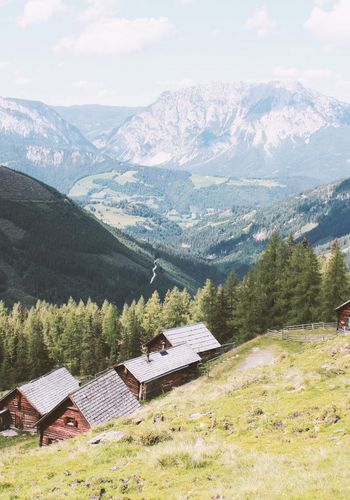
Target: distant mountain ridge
250	129
95	121
51	249
321	215
35	139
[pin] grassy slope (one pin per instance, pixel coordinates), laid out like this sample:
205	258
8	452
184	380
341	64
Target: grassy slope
279	431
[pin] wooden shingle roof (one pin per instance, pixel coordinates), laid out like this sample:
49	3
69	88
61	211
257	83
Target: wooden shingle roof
196	336
161	363
104	398
45	392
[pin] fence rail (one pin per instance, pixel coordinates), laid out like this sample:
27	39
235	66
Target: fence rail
286	333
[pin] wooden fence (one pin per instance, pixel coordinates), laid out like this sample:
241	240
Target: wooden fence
286	333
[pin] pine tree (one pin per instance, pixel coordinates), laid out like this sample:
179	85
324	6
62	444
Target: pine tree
111	330
152	318
38	358
231	288
176	308
304	281
204	307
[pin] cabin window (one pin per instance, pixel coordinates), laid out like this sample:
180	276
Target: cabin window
71	422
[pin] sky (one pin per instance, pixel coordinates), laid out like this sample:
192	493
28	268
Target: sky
126	52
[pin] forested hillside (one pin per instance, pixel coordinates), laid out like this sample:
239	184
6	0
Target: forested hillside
51	249
234	241
285	287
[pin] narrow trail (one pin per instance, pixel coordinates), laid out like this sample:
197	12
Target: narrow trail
154	271
258	357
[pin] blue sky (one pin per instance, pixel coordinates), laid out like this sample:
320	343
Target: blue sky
126	52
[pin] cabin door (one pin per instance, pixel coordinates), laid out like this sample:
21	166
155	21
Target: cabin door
19	420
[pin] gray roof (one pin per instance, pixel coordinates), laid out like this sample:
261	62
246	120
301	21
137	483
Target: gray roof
46	392
342	305
105	397
196	336
161	363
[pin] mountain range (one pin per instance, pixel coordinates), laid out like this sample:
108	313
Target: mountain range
97	122
198	169
248	130
51	249
244	129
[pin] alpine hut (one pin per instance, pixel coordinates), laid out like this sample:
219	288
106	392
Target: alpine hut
156	372
103	398
197	336
26	404
343	316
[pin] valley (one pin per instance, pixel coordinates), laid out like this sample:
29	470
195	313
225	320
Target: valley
51	249
206	203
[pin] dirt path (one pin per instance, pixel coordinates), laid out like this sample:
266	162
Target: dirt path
258	357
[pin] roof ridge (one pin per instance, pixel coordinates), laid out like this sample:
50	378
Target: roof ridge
183	326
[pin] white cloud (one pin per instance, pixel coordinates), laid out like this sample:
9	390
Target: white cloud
117	36
285	72
80	84
176	84
307	76
331	26
22	81
99	9
4	65
38	11
261	22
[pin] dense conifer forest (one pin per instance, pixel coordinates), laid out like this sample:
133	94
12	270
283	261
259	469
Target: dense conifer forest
286	286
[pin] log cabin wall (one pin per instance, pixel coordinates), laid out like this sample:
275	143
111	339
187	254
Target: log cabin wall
343	316
166	383
64	423
23	415
129	380
156	344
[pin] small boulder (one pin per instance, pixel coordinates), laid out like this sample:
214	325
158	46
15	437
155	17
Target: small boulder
9	433
107	437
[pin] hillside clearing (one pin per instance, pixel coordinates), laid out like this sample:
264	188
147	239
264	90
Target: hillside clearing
274	431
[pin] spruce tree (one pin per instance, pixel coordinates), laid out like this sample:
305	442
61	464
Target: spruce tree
152	318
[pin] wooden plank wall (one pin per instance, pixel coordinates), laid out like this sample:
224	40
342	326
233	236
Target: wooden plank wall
55	428
343	316
166	383
22	414
129	380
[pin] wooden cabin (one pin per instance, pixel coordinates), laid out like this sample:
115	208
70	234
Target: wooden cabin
103	398
25	405
343	316
150	375
197	336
